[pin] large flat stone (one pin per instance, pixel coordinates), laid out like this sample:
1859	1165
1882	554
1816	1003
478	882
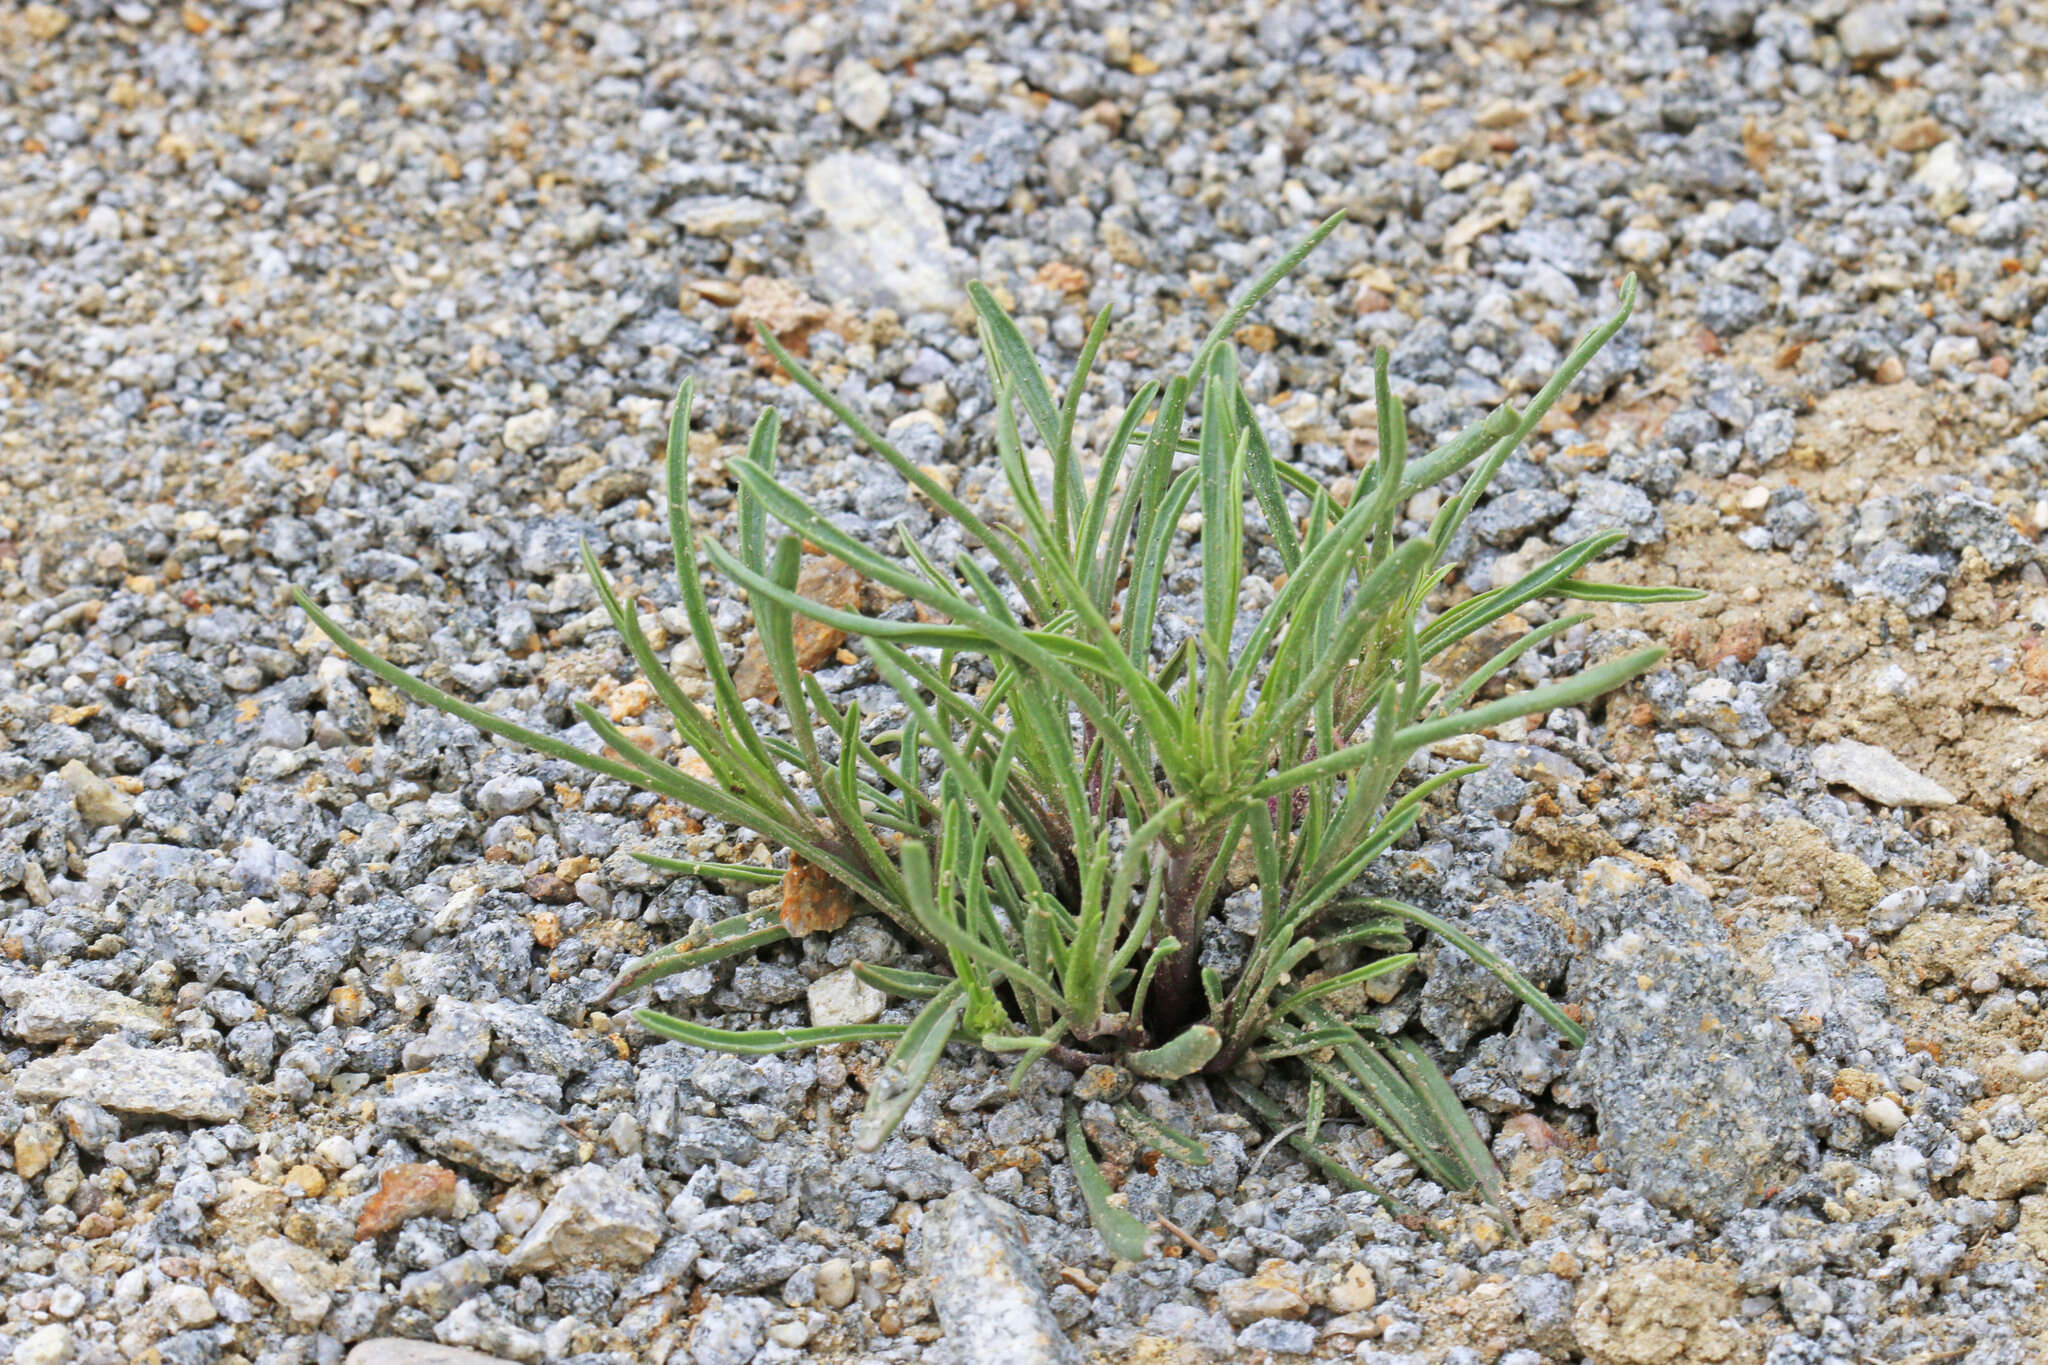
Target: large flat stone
134	1080
1701	1108
989	1296
54	1008
884	243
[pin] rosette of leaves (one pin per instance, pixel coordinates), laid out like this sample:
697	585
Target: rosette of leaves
1092	801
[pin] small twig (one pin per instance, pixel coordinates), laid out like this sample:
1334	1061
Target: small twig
1080	1281
1189	1238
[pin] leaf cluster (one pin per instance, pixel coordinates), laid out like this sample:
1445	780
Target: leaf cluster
1095	800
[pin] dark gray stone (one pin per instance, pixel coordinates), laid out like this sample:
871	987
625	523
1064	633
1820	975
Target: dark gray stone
988	1294
1701	1107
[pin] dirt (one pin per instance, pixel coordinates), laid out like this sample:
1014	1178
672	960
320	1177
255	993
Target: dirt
1961	696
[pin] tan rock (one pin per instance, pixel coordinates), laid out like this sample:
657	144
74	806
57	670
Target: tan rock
1355	1289
2000	1170
1662	1313
594	1220
786	312
1877	774
842	998
835	1282
54	1008
391	424
298	1279
2033	1228
1275	1291
812	901
823	580
249	1211
1884	1115
99	802
35	1146
45	22
181	1307
1796	859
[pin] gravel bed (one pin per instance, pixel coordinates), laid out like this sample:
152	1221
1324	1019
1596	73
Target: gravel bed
303	1056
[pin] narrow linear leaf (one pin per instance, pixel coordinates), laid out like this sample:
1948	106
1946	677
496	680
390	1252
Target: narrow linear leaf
1428	1079
726	872
1161	1137
897	1084
727	938
1126	1237
1581	591
760	1042
898	982
1471	947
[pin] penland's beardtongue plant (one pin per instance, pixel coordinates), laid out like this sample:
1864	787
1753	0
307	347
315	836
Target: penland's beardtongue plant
1057	838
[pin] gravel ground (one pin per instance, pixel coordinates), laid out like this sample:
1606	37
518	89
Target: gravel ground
300	981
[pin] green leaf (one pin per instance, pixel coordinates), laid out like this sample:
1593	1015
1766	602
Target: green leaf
1160	1136
753	517
936	493
1581	591
462	710
1178	1057
906	984
1275	1117
727	938
1067	492
1260	287
1458	508
1573	691
1354	977
1013	361
1471	947
896	1086
760	1042
1261	473
683	544
1429	1083
1125	1236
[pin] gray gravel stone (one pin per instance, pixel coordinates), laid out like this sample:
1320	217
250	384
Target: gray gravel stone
1512	517
995	152
1460	998
467	1120
508	794
884	241
1725	309
986	1290
1278	1336
729	1332
1700	1105
594	1219
1608	505
400	1351
1872	32
440	1289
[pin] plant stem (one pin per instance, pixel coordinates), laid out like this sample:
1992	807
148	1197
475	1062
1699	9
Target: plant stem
1176	999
